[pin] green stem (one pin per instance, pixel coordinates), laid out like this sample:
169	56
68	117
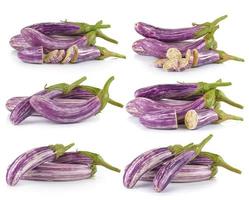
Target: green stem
104	93
224	116
98	160
205	87
220	96
105	53
94	169
66	88
219	161
91	38
210	42
100	34
225	57
60	149
197	148
210	98
95	91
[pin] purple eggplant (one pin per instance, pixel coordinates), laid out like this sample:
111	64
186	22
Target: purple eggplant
73	54
195	119
50	171
170	168
140	106
187	174
18	42
48	108
35	38
31	159
166	119
179	91
158	49
175	35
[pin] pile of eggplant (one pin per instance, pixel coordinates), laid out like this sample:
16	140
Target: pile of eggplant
174	164
53	163
62	102
166	106
62	42
182	48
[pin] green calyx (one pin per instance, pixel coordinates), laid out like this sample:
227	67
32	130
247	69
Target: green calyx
225	57
220	96
95	91
60	149
214	171
198	147
86	28
205	87
210	42
98	160
66	88
210	98
208	27
94	170
177	149
224	116
219	161
103	94
105	53
91	38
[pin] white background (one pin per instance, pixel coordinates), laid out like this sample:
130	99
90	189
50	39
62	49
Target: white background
114	133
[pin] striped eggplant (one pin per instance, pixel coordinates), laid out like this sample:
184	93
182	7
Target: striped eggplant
18	42
166	119
31	159
73	54
140	106
148	161
179	91
175	35
51	171
170	168
48	108
36	38
67	28
187	174
195	119
158	49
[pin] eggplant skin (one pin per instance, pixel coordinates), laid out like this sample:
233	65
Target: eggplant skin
144	163
28	161
18	43
166	35
60	114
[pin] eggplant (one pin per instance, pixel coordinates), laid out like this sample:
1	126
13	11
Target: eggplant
179	91
170	168
50	171
31	159
73	54
35	38
175	35
187	174
195	119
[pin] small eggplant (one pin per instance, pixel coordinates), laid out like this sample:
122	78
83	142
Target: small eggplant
175	35
187	174
170	168
178	91
31	159
50	171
